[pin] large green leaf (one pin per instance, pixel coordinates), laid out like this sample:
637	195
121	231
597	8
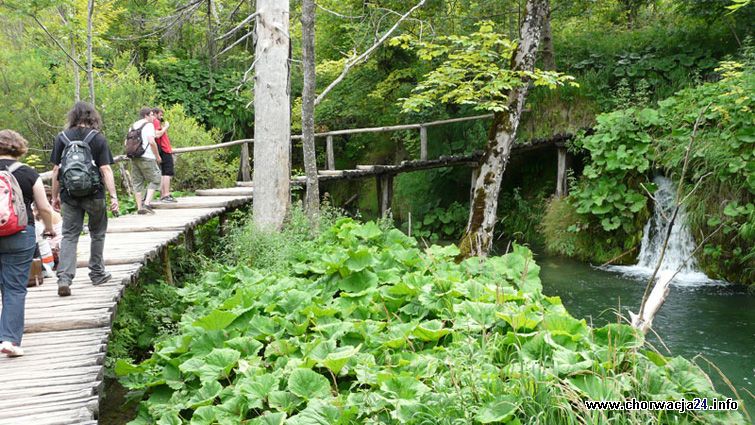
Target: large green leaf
217	364
337	359
358	281
216	320
498	411
359	260
432	330
308	384
205	395
404	388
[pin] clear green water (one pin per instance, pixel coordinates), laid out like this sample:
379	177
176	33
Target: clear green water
717	322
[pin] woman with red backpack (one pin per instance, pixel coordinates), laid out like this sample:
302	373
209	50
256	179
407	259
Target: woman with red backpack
20	185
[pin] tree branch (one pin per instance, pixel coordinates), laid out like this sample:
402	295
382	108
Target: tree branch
57	43
364	56
238	27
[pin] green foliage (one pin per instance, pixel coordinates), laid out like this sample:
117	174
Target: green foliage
442	224
520	215
203	169
472	71
627	142
619	158
363	327
210	97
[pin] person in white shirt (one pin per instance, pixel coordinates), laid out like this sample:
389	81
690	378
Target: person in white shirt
145	170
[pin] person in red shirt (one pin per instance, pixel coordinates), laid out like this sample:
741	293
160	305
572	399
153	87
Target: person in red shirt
166	154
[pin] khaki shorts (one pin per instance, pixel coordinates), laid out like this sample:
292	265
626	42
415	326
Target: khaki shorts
146	174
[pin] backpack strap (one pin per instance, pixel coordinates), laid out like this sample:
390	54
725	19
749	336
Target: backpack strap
90	136
64	139
13	167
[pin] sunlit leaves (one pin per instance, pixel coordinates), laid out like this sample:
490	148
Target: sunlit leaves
471	70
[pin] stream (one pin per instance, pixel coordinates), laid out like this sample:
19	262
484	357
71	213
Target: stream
715	320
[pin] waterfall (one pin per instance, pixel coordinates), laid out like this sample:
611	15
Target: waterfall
681	245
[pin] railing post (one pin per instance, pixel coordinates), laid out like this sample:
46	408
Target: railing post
384	193
167	271
561	183
246	169
423	143
329	150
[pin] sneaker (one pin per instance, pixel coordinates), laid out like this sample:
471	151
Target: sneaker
11	350
145	211
148	207
168	199
64	291
99	280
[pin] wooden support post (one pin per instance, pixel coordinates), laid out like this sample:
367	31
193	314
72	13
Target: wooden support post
167	270
423	143
189	239
329	150
475	174
246	169
222	219
385	193
561	183
126	179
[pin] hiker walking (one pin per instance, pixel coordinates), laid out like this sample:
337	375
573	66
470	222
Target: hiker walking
20	185
166	154
145	157
81	162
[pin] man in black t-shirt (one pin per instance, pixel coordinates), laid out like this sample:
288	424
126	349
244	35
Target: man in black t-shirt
82	119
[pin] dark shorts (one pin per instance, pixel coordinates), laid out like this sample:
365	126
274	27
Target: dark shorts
166	168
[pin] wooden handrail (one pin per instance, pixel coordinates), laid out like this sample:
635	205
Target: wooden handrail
341	132
46	176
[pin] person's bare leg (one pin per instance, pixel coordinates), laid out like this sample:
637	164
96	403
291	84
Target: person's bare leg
165	186
150	195
138	196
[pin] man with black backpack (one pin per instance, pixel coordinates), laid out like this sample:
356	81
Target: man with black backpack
81	162
145	157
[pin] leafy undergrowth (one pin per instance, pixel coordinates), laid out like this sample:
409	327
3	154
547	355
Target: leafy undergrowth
365	328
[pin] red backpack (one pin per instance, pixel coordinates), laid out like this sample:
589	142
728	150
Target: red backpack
13	218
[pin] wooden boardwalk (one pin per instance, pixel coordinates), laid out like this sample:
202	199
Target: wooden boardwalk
58	380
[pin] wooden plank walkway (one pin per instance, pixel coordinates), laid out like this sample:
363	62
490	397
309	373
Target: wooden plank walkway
59	379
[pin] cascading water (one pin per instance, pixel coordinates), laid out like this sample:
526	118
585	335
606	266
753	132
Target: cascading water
679	251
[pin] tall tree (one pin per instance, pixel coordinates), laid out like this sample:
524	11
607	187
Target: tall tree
478	236
90	70
312	197
272	115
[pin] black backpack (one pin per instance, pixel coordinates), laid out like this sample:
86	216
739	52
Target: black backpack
79	175
134	144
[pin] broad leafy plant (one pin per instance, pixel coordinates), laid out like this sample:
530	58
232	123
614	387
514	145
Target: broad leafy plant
365	328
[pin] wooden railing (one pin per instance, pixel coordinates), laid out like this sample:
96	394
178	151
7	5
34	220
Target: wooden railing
245	157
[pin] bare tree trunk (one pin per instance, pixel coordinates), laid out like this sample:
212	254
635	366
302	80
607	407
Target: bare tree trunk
210	38
548	53
90	73
272	116
478	237
76	77
312	197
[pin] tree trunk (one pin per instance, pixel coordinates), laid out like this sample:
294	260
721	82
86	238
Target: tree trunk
76	77
211	61
312	197
90	73
548	53
478	237
272	116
